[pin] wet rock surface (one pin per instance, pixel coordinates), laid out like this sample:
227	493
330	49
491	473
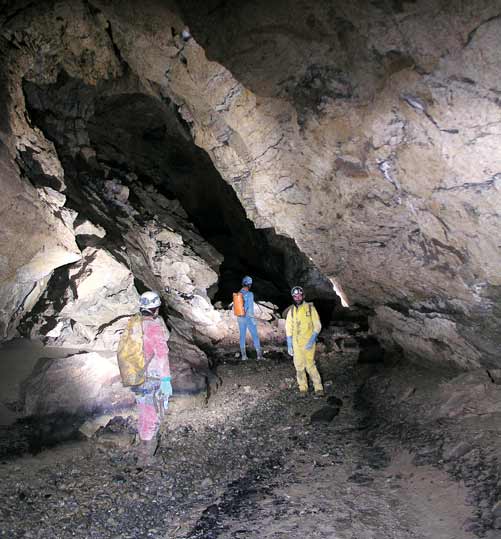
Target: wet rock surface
252	464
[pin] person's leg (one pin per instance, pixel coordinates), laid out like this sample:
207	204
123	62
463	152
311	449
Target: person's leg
148	427
242	327
312	370
251	324
148	423
299	363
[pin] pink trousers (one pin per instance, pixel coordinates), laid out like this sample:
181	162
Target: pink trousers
149	421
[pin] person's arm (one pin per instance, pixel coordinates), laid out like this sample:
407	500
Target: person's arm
317	327
249	303
288	332
166	380
166	365
166	362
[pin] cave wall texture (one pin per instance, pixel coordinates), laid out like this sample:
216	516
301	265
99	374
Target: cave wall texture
366	131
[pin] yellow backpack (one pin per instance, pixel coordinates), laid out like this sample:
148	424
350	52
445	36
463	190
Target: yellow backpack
130	353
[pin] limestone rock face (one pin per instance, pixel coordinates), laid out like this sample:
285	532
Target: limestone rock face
86	304
89	383
368	134
37	237
103	290
166	253
371	137
381	143
80	384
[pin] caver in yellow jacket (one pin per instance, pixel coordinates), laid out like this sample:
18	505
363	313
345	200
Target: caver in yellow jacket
301	322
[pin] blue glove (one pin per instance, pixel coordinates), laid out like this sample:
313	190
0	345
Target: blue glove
166	386
311	342
290	350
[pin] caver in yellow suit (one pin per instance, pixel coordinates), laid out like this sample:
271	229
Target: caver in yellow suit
302	327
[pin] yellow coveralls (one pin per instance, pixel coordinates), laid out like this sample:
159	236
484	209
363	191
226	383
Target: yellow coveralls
300	324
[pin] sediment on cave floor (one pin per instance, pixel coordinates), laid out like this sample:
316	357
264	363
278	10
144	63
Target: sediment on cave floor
352	149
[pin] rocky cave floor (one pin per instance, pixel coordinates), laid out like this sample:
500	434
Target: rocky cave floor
259	461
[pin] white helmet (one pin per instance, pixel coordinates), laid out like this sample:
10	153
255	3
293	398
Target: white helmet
297	290
150	300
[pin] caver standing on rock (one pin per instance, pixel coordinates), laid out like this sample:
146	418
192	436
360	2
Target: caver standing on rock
246	319
302	327
143	357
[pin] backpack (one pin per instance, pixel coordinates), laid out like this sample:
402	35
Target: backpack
130	353
238	304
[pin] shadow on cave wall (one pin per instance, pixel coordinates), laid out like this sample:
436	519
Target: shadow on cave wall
116	126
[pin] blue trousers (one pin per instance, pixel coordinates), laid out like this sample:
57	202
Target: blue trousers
247	323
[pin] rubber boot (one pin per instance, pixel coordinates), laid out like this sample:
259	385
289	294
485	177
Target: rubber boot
243	355
260	356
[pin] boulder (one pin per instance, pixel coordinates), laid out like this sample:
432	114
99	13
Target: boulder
189	366
324	415
101	290
87	228
89	382
79	384
86	305
469	394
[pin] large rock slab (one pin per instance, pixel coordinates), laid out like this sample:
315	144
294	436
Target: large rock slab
80	384
470	394
87	304
37	237
102	290
89	383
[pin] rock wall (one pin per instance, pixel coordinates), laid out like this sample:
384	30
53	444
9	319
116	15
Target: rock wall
75	247
366	132
379	133
37	237
382	159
